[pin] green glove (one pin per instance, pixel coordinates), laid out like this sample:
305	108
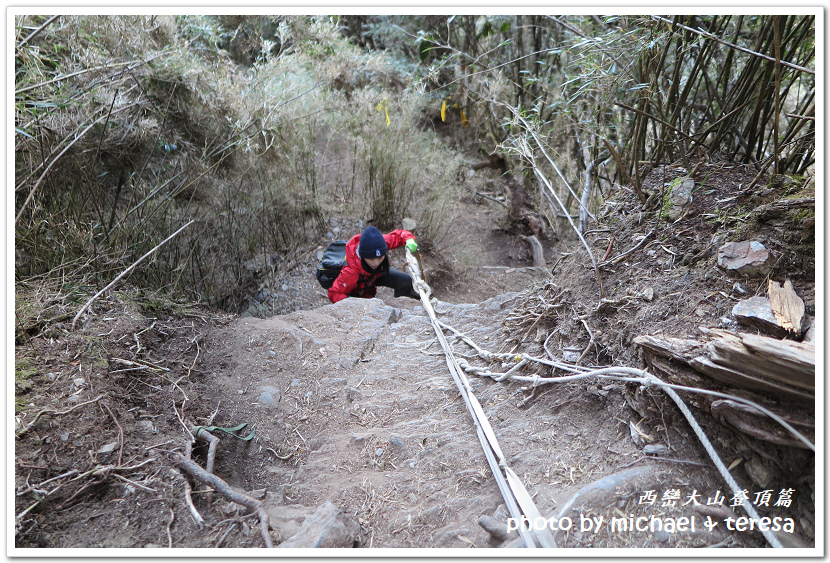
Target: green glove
412	245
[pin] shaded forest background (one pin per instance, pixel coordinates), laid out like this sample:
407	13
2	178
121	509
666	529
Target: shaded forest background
248	132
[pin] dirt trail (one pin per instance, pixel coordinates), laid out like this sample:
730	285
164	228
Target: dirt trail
357	395
353	403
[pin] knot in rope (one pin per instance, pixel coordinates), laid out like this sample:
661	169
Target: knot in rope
649	379
421	285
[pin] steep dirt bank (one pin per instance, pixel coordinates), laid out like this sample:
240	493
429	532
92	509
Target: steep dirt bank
352	403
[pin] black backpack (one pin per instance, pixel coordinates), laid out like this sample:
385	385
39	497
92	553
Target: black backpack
334	258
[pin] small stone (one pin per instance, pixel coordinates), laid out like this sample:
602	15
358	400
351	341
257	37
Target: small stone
409	224
757	313
680	198
493	527
810	334
108	448
258	494
661	536
269	396
571	354
65	437
79	382
655	449
748	258
761	473
146	426
379	452
501	513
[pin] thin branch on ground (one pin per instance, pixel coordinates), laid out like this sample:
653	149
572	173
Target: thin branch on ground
45	412
220	486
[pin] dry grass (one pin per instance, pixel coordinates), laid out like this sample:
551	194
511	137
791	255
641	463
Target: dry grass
130	126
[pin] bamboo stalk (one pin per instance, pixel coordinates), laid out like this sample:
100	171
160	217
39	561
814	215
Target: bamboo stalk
777	117
66	148
37	32
125	272
733	46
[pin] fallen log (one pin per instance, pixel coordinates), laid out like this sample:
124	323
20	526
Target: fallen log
755	423
786	361
743	360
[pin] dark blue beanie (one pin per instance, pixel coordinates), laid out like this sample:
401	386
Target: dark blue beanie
372	244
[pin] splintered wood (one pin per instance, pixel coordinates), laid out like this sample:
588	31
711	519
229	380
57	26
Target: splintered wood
787	307
748	361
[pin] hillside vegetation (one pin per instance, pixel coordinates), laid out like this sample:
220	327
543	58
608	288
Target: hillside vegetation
575	184
258	128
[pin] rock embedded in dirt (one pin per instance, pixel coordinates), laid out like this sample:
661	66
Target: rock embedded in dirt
108	448
327	527
493	527
749	258
269	396
810	332
655	449
679	198
757	313
146	427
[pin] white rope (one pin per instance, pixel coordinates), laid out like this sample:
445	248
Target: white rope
518	501
629	375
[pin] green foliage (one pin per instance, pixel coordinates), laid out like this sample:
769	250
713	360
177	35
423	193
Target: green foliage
127	127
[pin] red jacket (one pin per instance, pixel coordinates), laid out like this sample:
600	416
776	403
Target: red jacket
353	280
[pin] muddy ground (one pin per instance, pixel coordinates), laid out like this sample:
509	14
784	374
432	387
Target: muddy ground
352	403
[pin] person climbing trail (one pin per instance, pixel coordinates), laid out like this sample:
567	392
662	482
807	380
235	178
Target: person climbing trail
367	266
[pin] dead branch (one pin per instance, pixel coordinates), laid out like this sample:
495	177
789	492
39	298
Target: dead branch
169	524
188	498
619	257
120	434
39	488
44	412
125	272
733	46
36	32
52	163
228	492
226	534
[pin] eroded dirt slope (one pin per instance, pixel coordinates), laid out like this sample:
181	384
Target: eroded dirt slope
358	399
353	403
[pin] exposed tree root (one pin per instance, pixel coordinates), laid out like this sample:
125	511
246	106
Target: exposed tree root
219	485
